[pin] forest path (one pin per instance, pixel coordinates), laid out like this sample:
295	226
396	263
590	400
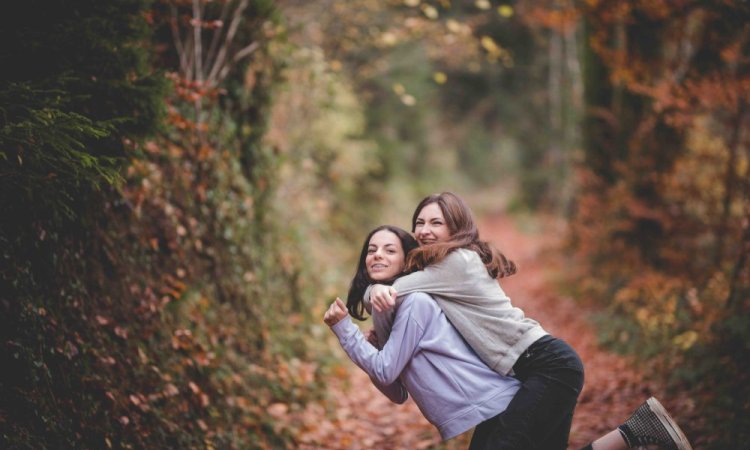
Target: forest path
362	418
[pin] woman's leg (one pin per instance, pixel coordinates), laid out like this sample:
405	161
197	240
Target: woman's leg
482	433
540	414
610	441
650	424
558	436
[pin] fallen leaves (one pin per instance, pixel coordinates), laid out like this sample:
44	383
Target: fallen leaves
357	416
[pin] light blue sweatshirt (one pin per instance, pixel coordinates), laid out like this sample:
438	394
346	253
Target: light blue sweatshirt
426	357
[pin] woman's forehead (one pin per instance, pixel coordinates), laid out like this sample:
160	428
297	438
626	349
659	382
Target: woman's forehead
385	237
430	211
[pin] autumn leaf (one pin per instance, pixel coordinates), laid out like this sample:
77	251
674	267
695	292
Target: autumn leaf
277	410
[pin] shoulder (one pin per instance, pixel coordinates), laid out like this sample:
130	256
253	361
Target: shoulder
420	303
459	256
466	254
462	257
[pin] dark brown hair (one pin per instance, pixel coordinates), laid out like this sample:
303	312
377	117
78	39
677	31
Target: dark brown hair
463	234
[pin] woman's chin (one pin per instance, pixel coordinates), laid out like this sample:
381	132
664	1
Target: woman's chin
380	277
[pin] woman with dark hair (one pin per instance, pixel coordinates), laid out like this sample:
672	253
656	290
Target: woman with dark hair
362	279
425	356
460	272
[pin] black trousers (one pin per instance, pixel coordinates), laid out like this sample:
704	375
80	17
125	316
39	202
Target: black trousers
541	413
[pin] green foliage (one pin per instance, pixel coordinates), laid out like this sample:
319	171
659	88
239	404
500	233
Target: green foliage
74	87
75	83
329	181
146	301
444	83
45	157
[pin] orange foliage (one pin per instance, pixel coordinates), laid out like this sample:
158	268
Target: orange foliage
562	19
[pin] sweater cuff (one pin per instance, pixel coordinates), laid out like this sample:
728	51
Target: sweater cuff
344	328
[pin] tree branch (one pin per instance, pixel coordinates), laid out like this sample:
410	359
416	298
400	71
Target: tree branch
216	39
177	39
221	57
246	51
197	47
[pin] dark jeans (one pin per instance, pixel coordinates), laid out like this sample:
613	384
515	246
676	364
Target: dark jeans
540	414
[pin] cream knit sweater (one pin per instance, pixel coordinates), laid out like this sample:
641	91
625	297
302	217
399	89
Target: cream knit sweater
476	306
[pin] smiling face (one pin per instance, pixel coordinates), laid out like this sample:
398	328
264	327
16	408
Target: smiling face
430	226
385	256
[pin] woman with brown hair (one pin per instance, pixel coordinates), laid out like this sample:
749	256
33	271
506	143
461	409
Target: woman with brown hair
460	272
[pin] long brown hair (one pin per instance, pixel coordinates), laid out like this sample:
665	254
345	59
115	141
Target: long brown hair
463	234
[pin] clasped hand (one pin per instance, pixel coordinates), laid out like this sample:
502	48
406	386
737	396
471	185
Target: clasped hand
337	311
382	297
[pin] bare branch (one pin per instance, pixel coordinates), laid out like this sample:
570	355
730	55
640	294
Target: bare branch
177	38
219	62
189	66
197	47
216	39
246	51
223	74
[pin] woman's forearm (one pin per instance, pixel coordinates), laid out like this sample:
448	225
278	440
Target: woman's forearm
385	365
456	275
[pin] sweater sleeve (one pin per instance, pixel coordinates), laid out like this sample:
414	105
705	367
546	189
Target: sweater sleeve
454	276
384	366
442	278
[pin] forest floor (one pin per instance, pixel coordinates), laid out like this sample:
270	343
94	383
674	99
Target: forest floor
360	417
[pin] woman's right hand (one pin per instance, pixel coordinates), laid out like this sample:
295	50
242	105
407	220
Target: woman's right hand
335	312
382	297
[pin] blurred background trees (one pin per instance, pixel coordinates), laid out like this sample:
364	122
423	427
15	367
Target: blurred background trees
662	213
185	184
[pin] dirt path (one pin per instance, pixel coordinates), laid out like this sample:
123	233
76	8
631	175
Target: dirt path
613	387
363	418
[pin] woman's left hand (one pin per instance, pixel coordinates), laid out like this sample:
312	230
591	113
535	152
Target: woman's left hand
382	297
335	313
372	337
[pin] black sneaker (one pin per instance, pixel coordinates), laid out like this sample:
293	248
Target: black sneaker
650	424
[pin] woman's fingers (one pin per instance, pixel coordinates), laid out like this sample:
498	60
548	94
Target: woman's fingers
382	297
372	337
328	316
384	301
335	312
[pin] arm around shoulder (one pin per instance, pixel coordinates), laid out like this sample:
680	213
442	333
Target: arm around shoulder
454	274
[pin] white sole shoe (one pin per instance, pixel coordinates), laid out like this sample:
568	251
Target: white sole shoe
673	429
